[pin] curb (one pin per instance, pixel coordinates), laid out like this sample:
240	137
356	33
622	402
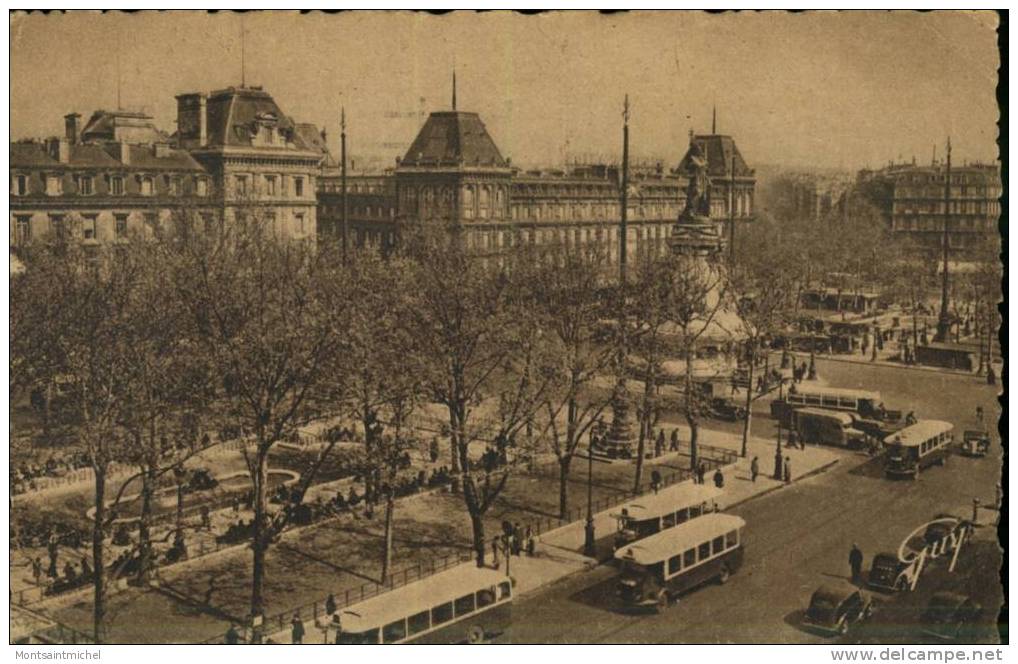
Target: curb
895	365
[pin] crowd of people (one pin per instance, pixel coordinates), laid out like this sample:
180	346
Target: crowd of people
24	476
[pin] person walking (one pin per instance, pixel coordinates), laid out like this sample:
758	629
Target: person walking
37	570
655	480
297	629
531	543
701	471
517	539
979	416
232	636
719	478
52	549
788	470
675	441
754	468
494	553
330	604
659	444
855	562
206	518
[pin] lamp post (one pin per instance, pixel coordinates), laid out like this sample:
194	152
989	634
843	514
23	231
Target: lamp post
588	539
778	461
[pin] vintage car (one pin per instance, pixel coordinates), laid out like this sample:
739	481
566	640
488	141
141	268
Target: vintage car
885	572
950	616
725	409
835	607
975	443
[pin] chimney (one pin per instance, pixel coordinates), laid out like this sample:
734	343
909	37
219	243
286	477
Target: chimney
59	149
192	120
72	127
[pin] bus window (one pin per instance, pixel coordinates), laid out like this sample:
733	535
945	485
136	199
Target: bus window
689	558
796	399
418	623
731	539
703	551
504	590
668	521
441	613
485	597
813	401
674	564
830	402
681	516
367	638
694	511
717	545
464	605
847	402
394	631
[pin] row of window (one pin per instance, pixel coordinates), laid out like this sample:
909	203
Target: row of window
115	185
491	239
703	552
937	224
417	623
957	207
267	185
928	446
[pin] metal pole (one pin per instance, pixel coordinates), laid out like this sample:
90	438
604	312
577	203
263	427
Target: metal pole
342	148
623	226
943	323
731	216
588	542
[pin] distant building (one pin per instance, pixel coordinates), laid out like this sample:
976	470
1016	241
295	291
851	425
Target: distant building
454	175
119	174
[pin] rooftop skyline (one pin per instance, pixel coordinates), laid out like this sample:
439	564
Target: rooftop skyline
822	89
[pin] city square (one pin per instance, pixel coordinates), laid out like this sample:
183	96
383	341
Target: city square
369	379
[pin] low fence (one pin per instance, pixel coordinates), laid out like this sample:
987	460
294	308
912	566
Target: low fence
312	611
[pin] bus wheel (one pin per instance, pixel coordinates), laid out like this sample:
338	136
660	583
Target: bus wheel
723	576
475	634
662	601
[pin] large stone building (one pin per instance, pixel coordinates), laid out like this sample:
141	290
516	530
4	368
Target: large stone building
454	175
120	174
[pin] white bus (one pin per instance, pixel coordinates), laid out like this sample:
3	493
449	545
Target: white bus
659	567
650	514
923	444
460	605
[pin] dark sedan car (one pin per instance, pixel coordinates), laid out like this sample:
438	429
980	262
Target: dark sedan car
950	615
834	608
885	573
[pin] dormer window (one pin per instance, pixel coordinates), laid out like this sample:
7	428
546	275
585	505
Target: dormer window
19	185
147	186
201	186
84	183
117	185
54	185
175	187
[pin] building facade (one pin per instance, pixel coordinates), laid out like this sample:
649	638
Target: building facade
119	174
454	175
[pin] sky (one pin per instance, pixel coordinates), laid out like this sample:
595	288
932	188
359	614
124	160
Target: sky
822	89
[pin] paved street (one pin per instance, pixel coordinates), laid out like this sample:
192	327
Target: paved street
795	539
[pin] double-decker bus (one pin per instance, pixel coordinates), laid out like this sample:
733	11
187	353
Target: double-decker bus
658	568
460	605
650	514
923	444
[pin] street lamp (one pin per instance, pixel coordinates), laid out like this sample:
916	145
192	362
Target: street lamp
588	540
778	458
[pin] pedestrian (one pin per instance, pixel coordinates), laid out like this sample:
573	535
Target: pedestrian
86	569
70	573
719	478
659	444
531	543
433	450
330	604
701	470
37	569
735	386
655	480
754	468
494	553
675	441
232	636
788	470
517	539
52	548
979	416
206	518
855	562
297	629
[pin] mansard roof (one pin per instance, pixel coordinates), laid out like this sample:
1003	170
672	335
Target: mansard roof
235	113
454	138
719	150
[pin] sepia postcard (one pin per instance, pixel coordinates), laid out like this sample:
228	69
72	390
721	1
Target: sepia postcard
569	327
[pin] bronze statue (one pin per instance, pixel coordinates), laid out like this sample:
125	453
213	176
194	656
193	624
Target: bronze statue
698	189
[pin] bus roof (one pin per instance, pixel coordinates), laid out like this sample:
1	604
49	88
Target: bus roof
919	432
684	495
844	418
671	541
418	596
818	390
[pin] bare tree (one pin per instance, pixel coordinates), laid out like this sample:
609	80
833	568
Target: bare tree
259	304
476	342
